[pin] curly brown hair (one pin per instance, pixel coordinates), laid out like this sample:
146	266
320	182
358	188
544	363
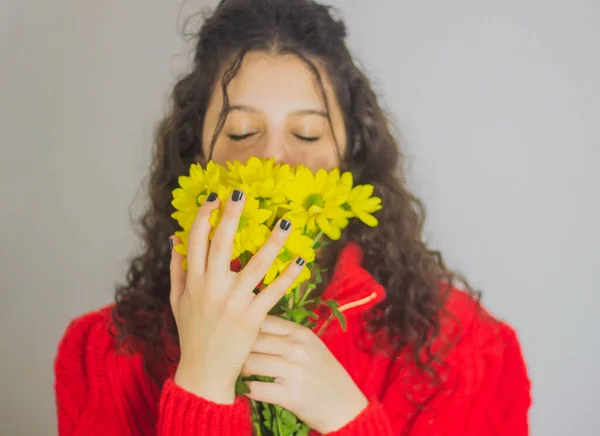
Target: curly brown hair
395	253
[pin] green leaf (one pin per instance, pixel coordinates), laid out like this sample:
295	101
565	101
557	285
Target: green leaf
299	314
303	431
264	378
278	427
266	413
257	427
289	419
241	387
334	305
340	316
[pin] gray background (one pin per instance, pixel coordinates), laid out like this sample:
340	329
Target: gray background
499	107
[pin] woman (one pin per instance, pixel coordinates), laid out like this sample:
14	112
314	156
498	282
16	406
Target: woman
419	357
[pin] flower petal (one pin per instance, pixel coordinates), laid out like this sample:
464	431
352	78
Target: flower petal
366	218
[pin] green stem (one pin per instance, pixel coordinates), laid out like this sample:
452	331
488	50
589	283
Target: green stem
305	296
257	418
296	296
319	235
308	291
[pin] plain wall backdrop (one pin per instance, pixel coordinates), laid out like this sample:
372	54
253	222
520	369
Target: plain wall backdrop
498	104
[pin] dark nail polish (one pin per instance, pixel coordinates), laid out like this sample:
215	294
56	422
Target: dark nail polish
171	242
211	197
300	261
237	195
285	225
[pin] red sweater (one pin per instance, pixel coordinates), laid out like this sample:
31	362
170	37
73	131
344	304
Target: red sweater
484	391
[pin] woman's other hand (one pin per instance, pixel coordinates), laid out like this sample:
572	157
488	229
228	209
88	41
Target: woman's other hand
309	380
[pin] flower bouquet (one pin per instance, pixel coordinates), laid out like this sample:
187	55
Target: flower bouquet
319	205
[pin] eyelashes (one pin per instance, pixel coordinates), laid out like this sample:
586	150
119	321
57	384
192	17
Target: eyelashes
238	138
307	138
234	137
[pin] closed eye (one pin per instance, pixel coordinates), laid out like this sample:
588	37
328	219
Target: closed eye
234	137
307	138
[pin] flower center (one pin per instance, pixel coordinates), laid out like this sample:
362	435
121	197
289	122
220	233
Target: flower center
285	255
314	200
243	222
263	202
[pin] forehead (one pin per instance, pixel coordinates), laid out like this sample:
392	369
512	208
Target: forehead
276	82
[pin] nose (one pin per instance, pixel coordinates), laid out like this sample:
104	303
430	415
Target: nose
275	146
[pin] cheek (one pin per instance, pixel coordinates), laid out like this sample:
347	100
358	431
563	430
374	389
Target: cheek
326	158
222	153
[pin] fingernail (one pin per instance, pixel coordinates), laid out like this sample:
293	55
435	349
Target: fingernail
211	197
171	242
300	261
284	225
237	195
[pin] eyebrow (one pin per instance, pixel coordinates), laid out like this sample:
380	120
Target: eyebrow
241	107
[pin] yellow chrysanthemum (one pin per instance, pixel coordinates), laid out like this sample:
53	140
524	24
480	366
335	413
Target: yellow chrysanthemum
323	201
182	247
252	232
279	266
194	190
316	200
296	245
263	180
362	204
302	277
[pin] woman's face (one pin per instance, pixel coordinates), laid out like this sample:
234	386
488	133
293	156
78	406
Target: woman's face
277	111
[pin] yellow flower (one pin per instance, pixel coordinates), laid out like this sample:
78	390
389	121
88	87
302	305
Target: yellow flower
363	205
182	247
263	180
316	200
252	232
302	277
194	190
324	201
279	266
296	245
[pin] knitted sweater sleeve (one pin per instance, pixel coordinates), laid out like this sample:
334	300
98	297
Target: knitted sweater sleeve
89	388
487	394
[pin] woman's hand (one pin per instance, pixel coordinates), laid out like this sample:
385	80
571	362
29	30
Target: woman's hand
309	381
217	314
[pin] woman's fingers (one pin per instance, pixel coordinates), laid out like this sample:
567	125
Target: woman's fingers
258	266
221	246
266	365
198	243
177	273
269	296
273	393
275	325
274	345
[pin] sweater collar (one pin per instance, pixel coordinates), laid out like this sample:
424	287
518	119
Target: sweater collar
352	286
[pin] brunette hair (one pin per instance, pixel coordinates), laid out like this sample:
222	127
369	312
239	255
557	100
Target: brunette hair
395	253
